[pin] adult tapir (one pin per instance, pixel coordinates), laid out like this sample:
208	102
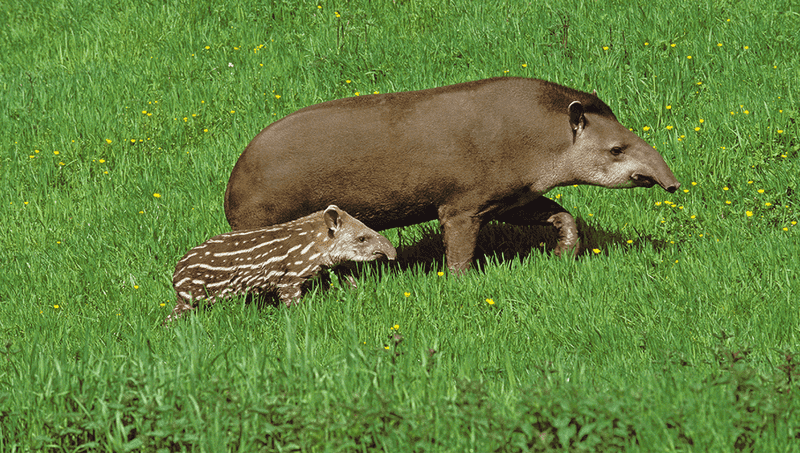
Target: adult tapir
464	154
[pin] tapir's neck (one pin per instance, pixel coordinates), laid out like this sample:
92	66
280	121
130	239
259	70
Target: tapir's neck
552	168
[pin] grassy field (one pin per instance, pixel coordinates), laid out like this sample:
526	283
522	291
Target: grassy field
676	329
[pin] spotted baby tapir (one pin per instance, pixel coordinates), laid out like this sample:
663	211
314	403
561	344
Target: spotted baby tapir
277	259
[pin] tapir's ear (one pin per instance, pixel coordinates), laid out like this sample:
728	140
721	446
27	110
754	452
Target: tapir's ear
332	218
576	119
594	92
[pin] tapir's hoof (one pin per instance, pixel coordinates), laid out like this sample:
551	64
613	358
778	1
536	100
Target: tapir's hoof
570	250
568	243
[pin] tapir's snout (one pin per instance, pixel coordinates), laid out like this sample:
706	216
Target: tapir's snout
385	251
671	185
668	182
672	188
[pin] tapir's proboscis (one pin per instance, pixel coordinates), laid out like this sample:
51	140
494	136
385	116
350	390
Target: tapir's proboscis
464	154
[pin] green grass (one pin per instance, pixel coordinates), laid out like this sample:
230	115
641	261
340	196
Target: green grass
677	328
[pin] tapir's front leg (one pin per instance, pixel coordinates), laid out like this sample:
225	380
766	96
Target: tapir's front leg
460	230
544	211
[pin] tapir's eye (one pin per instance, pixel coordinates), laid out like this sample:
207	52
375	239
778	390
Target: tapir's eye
362	239
616	151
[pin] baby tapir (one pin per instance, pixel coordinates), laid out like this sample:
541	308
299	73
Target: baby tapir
277	259
464	154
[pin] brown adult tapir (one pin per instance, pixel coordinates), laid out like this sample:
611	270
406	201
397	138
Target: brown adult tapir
464	154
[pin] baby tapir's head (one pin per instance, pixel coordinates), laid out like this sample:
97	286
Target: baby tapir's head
350	240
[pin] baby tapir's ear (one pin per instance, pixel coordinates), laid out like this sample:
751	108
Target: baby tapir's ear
332	219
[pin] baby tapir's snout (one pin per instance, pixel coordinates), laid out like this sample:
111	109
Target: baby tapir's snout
276	259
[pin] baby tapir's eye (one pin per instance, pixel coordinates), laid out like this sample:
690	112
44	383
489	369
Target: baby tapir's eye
616	151
362	239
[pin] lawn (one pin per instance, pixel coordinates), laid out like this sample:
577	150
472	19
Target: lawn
677	328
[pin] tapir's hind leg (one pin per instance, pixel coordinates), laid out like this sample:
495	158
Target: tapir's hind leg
544	211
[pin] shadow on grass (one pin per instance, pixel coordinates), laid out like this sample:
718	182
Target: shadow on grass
509	241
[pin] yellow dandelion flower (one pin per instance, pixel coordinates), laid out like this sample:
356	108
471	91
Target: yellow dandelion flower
277	96
673	45
725	188
749	213
56	306
780	131
785	229
490	301
605	47
697	129
629	241
385	347
702	121
157	195
688	57
694	183
646	128
669	128
669	107
407	294
596	251
440	273
760	190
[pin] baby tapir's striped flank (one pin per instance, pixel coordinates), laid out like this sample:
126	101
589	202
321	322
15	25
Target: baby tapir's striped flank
275	259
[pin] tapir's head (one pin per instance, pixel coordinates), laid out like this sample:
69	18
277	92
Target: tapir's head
605	153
